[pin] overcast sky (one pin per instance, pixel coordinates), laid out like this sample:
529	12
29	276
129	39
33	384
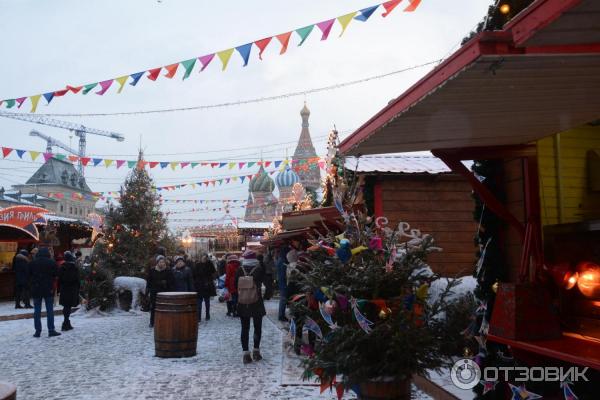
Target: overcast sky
48	44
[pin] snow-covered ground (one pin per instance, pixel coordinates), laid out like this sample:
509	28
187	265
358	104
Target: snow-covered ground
8	308
113	358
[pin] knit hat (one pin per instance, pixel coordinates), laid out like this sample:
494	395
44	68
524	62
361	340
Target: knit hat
24	252
159	257
232	257
249	254
69	257
179	258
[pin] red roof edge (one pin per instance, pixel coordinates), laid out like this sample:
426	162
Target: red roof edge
535	17
483	43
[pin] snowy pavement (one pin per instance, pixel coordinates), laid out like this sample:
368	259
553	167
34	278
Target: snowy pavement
113	358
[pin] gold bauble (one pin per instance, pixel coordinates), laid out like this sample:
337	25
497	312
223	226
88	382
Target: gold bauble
495	287
467	353
383	314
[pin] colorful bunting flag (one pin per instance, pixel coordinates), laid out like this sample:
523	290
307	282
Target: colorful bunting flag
262	45
184	164
345	20
153	73
205	60
163	165
60	157
224	56
61	93
120	163
194	164
85	160
131	164
10	103
104	85
6	151
20	101
231	165
311	325
244	51
365	13
121	81
20	153
96	161
48	96
108	163
412	6
47	156
325	28
136	78
389	7
304	32
88	88
74	89
189	66
34	102
171	70
173	165
284	39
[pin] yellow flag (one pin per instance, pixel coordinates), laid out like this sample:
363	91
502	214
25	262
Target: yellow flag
234	178
345	20
224	56
34	102
193	185
121	81
108	162
231	165
34	154
174	165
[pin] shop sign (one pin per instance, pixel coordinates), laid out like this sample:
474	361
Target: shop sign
23	218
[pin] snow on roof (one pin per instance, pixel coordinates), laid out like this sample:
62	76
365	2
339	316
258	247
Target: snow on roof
254	225
56	218
407	163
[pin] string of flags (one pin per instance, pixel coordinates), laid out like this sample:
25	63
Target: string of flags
213	182
187	66
105	162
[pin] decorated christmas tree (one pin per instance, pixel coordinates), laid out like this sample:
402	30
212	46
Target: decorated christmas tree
135	228
371	313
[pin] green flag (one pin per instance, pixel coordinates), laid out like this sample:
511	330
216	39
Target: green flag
87	88
304	32
189	66
131	164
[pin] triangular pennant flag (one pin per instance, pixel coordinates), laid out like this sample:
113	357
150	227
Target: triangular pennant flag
20	101
325	28
412	6
251	163
171	70
96	161
6	151
20	153
231	165
267	163
224	56
120	163
235	178
303	33
34	102
74	89
389	6
242	178
204	164
73	158
284	39
277	163
153	164
184	164
153	73
345	20
173	165
262	45
220	181
241	165
244	51
189	66
85	161
47	156
365	13
60	93
131	164
108	163
214	164
87	88
227	180
10	103
194	164
250	176
136	77
121	81
272	172
163	165
205	60
259	163
49	96
221	165
205	183
104	85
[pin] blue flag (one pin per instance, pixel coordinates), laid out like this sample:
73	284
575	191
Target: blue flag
244	51
365	13
136	77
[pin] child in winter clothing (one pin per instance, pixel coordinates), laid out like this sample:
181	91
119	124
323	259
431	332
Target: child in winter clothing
231	268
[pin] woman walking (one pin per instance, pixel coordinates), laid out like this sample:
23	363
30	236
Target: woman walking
248	281
204	279
160	279
68	278
231	268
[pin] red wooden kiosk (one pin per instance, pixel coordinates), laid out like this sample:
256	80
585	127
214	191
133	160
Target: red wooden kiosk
522	95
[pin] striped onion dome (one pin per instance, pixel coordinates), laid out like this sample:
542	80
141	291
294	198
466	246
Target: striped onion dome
262	182
287	178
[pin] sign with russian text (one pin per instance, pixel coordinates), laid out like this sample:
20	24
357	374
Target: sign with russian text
23	218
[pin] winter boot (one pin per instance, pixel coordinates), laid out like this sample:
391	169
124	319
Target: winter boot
53	333
208	317
37	334
64	326
256	355
247	358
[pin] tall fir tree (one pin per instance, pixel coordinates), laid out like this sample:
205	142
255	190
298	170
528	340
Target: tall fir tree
136	227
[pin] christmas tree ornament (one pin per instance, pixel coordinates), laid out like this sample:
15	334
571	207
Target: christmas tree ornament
385	313
363	322
312	326
376	244
342	302
330	306
358	250
327	317
567	391
488	386
422	292
521	393
343	252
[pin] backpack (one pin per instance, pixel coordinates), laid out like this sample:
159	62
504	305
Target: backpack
247	291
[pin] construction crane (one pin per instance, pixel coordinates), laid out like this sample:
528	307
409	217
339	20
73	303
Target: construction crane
79	130
51	142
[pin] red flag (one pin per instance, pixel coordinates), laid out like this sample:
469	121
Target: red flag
241	164
389	7
85	160
214	164
267	163
262	45
284	39
249	176
412	6
60	93
171	70
74	89
153	73
73	158
153	164
6	151
120	163
339	389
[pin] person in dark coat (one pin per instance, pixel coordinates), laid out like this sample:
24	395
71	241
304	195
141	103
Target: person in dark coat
160	279
282	282
68	280
204	279
268	264
21	269
42	273
256	311
183	281
233	264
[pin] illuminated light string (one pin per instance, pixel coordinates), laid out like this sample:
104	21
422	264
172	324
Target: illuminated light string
224	56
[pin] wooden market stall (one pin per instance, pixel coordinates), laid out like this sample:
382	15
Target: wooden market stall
526	96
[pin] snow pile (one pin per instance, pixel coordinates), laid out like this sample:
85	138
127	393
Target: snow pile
465	285
132	284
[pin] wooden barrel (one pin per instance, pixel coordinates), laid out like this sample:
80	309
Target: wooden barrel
8	391
176	325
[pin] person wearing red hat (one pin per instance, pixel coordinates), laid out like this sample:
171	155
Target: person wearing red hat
231	268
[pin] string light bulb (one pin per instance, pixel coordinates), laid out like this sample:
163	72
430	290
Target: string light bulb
505	8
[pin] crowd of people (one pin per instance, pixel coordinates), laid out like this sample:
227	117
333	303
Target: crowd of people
240	279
